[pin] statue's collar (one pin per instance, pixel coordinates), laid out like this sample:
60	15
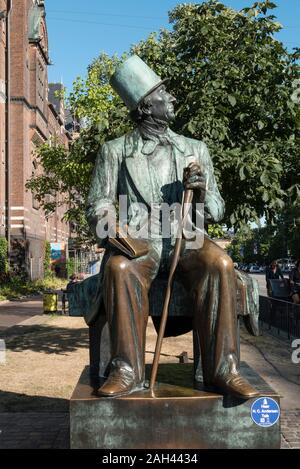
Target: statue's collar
151	130
135	141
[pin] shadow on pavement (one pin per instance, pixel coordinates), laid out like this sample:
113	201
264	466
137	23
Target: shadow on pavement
33	422
16	402
45	339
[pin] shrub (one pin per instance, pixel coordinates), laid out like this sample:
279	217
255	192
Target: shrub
4	267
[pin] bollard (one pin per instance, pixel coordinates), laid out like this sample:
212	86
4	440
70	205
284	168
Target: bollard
183	357
50	302
2	352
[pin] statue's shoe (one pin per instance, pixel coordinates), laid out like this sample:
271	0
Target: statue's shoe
119	383
235	385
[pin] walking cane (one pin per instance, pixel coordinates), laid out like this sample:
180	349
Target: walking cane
187	199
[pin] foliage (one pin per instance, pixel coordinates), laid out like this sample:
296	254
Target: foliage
47	259
235	89
3	256
70	267
234	83
252	245
217	231
287	234
17	258
272	241
15	287
65	173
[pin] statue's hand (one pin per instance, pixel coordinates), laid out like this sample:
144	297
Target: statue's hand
194	179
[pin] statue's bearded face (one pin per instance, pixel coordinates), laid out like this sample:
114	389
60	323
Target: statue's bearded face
161	104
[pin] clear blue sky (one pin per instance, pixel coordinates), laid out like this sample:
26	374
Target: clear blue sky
79	31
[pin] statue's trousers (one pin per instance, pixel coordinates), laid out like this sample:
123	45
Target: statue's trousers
208	274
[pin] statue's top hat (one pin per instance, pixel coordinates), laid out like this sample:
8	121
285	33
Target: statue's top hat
133	80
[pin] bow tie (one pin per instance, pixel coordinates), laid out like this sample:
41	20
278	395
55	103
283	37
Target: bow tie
152	142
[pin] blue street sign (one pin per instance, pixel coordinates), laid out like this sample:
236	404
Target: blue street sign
265	411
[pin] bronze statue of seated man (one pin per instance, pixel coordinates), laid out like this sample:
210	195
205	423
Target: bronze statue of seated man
152	166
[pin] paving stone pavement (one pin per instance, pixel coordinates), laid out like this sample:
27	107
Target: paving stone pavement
290	429
34	430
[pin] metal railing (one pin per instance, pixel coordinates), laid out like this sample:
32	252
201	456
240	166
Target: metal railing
281	317
84	262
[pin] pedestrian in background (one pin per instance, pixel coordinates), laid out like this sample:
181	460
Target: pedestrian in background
295	283
272	272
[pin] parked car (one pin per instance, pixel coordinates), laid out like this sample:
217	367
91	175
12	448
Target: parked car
286	264
254	269
287	268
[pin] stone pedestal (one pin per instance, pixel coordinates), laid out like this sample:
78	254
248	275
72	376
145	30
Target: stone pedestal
179	417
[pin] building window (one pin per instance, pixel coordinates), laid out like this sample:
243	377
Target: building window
35	203
40	79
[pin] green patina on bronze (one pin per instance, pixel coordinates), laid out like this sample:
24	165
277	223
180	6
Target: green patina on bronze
177	418
149	167
133	80
36	13
121	169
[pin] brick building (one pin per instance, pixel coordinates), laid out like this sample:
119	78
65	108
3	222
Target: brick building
3	74
33	116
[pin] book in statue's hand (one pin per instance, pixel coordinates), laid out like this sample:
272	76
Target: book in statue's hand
131	247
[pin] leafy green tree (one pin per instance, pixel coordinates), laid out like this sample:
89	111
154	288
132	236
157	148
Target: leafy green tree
273	241
70	267
234	84
235	89
286	241
47	260
217	231
4	265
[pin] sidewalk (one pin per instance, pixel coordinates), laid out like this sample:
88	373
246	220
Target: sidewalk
14	312
34	430
270	357
45	356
